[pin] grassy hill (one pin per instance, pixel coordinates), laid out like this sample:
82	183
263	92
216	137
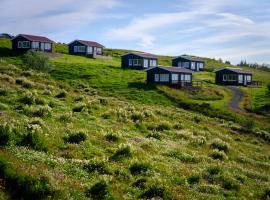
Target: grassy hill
90	129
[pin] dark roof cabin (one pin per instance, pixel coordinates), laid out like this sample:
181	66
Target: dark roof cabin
6	36
85	48
189	62
139	60
169	75
233	76
23	43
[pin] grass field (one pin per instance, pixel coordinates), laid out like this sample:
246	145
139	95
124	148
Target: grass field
90	129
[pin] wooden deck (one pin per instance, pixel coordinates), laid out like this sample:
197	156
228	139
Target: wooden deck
256	84
187	84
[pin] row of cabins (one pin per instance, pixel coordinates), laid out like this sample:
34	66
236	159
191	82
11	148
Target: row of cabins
181	71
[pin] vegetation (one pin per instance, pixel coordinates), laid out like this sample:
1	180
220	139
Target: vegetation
37	60
126	139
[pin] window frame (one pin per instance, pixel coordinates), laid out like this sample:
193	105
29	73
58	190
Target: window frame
22	44
156	78
47	46
175	77
164	78
35	45
137	62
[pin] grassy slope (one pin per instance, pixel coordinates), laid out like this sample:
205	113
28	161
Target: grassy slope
181	154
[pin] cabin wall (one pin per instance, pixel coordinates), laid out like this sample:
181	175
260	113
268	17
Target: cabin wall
219	78
177	60
125	61
71	48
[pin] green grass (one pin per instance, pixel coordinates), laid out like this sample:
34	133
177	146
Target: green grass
131	140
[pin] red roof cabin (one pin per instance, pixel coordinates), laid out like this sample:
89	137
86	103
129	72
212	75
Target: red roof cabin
85	48
23	42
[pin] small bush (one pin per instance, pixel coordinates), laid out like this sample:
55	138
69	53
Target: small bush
98	191
154	192
209	189
79	98
214	170
112	137
40	111
40	101
24	82
26	187
220	145
27	73
140	183
37	60
138	168
3	92
248	125
103	101
122	152
197	119
65	117
266	194
195	179
164	126
79	107
28	99
33	140
154	135
62	94
197	140
230	184
76	137
184	157
268	87
218	155
5	134
99	167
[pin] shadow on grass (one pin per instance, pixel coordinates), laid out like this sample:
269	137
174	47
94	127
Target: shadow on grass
142	86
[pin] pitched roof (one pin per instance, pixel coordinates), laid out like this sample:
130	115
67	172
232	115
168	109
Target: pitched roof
236	70
89	43
35	38
173	69
143	55
191	58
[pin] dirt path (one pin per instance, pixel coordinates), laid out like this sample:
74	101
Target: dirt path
236	98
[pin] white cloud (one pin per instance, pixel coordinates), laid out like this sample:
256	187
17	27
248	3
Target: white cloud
50	17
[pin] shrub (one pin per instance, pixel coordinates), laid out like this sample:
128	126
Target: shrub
122	152
112	137
197	140
5	134
248	125
28	99
140	183
103	101
214	170
61	94
266	194
195	179
3	92
40	111
138	168
76	137
230	184
26	187
79	107
40	101
164	126
32	139
197	119
24	82
154	135
37	60
268	87
208	189
3	106
220	145
65	117
137	116
154	192
98	191
184	157
99	167
218	155
27	73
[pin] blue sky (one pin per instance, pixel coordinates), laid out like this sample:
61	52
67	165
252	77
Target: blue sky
230	29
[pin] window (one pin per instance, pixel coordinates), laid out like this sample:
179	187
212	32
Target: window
193	65
130	62
182	77
99	51
79	49
156	77
225	78
154	63
200	65
48	46
145	64
89	50
137	62
174	77
164	77
231	77
35	45
24	44
185	64
187	78
240	78
248	78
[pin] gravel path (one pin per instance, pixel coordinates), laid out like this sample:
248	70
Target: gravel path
236	98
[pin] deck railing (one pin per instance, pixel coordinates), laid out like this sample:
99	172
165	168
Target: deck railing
256	84
183	84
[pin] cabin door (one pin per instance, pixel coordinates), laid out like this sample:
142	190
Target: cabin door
145	65
42	46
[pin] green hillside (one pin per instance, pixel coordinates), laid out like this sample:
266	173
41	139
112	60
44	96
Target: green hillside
89	129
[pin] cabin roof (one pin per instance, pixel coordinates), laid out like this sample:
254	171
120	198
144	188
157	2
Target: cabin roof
35	38
89	43
191	58
173	69
236	70
143	55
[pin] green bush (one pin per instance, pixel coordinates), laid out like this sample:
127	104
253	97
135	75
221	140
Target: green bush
154	192
138	168
154	135
22	186
184	157
76	137
111	137
99	167
3	92
268	87
266	194
230	184
163	126
98	191
194	179
28	99
79	107
61	94
33	140
39	111
37	60
5	134
220	145
140	183
248	125
67	117
103	101
209	189
218	155
122	152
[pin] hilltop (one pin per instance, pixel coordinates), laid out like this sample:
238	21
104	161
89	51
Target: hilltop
89	128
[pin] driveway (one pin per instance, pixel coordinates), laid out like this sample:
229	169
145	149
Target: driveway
237	96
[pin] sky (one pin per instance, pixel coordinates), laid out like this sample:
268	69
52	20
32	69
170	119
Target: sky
233	30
